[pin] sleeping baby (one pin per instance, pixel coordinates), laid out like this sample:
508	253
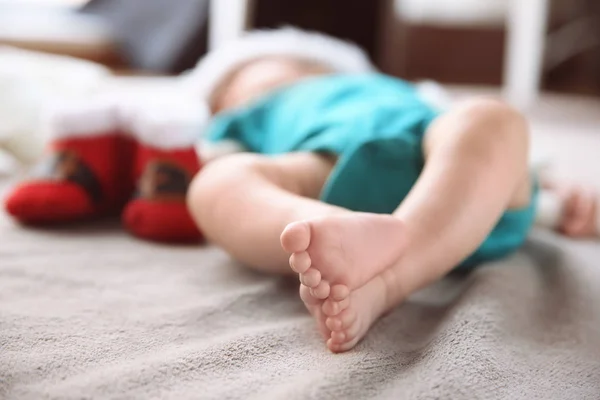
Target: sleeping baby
358	183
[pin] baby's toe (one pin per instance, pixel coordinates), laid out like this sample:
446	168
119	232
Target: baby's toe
342	321
311	278
334	324
300	262
339	292
296	237
338	337
342	347
341	341
321	291
308	298
352	331
332	308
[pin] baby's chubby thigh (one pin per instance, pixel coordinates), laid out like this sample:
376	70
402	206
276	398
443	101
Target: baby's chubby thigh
242	202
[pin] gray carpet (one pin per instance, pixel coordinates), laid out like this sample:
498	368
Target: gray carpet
90	313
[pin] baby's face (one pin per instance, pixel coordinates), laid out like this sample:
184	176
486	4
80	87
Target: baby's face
260	77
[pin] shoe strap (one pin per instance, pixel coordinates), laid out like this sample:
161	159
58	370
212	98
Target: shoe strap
68	166
164	181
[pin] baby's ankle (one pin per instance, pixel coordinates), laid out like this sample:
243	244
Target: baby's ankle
394	288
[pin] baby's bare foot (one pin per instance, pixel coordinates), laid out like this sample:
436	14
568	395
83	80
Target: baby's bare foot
314	306
350	319
345	317
342	252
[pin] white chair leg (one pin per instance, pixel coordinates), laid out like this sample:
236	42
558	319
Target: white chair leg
526	33
228	19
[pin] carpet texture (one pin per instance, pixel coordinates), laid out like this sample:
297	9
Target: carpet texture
90	313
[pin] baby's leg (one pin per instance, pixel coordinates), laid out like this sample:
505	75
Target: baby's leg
476	168
243	202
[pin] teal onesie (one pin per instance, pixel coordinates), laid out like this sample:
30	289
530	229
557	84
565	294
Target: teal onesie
375	125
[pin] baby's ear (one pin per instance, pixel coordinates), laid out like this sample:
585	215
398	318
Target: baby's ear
208	151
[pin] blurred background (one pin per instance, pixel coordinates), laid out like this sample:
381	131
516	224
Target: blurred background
451	41
521	47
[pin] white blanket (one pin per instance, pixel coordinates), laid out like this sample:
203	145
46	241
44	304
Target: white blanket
90	313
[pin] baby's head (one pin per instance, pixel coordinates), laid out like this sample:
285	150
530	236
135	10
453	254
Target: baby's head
260	76
259	62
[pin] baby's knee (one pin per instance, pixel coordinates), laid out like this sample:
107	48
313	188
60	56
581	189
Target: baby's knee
489	115
216	179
